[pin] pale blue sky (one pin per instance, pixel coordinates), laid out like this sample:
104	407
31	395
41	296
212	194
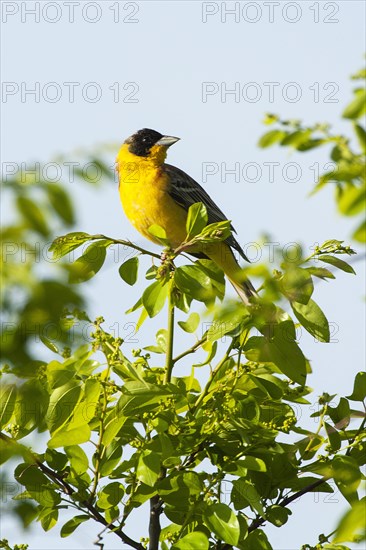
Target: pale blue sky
162	61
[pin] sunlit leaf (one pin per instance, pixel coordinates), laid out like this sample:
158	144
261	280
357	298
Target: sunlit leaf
61	203
129	269
337	262
63	245
312	319
196	219
154	298
223	522
192	541
359	387
297	285
191	324
271	137
358	106
34	215
148	468
69	527
88	265
352	523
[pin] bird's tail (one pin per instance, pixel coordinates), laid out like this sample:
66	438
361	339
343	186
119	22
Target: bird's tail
245	290
222	254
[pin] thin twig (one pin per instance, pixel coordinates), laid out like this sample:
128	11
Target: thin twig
286	501
192	349
126	243
170	337
69	490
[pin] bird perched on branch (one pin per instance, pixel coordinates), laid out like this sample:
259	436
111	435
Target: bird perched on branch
153	192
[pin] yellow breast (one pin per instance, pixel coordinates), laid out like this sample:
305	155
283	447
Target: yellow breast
143	190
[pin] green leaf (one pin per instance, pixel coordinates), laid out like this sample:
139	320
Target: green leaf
148	468
129	269
357	107
49	344
63	245
88	265
191	324
161	339
136	306
360	233
211	348
48	518
281	350
113	424
347	475
312	319
59	374
256	540
193	541
341	414
159	233
320	272
61	203
37	484
139	396
245	494
215	232
111	495
8	395
271	137
310	144
154	298
57	461
31	406
111	458
111	514
240	467
270	118
361	135
216	274
34	215
337	262
359	387
223	522
296	138
78	459
192	280
352	525
333	437
72	524
196	219
278	515
253	463
352	200
70	436
63	401
297	285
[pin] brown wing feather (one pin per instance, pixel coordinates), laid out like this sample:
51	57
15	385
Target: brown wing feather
185	191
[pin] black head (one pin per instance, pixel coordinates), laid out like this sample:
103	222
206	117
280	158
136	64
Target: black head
141	142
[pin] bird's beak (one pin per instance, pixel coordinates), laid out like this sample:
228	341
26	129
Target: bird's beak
167	141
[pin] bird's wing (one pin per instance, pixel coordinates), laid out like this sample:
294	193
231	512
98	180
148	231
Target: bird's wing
185	191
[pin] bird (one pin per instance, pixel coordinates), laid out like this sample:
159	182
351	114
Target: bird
153	192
